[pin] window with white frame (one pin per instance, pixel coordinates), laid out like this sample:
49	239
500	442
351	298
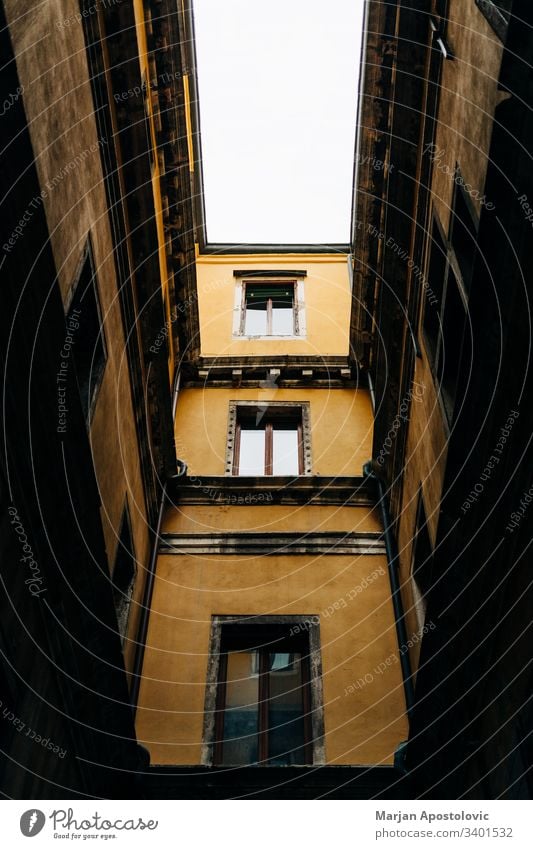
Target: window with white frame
271	307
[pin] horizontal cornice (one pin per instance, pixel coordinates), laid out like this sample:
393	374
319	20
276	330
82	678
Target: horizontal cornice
278	543
285	256
260	491
286	371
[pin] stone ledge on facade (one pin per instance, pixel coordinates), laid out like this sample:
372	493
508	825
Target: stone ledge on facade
237	491
285	542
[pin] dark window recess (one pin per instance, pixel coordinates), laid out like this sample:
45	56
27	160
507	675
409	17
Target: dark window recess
147	122
123	574
520	757
85	326
497	13
269	309
269	441
445	322
451	343
463	236
8	684
422	560
504	7
434	293
263	697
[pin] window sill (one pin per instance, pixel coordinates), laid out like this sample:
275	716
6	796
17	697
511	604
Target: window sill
264	477
245	338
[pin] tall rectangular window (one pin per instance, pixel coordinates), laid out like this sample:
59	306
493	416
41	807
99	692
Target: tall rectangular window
263	710
445	319
451	343
85	326
269	441
497	13
463	236
434	294
421	562
270	307
123	577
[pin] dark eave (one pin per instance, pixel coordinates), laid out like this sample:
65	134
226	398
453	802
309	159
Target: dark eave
211	248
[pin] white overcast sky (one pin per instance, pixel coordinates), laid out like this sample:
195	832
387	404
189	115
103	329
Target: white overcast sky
278	99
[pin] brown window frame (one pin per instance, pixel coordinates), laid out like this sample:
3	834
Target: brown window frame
269	284
299	411
243	638
269	447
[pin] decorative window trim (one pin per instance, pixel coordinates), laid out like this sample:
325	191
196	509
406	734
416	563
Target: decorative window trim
309	623
304	406
239	306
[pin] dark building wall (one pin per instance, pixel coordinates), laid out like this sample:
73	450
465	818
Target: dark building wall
65	711
69	183
484	598
457	457
68	147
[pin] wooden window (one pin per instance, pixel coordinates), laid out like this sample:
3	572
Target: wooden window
269	441
86	334
263	706
269	309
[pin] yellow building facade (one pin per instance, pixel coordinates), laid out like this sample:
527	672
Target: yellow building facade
272	636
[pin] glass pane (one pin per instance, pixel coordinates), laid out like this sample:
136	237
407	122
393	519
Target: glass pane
252	452
280	660
263	291
282	318
285	710
241	713
256	319
285	452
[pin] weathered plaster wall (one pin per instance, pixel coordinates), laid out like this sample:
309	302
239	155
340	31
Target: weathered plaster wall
327	305
51	61
341	427
364	722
